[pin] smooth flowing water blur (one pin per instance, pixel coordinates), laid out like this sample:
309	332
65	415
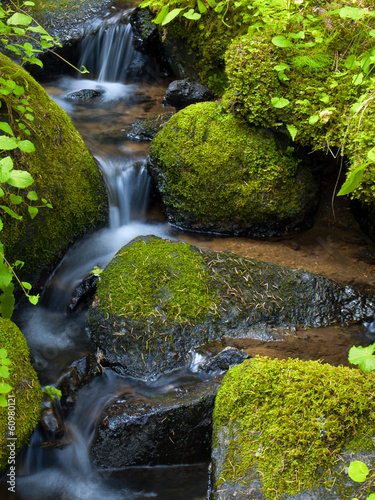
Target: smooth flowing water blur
55	337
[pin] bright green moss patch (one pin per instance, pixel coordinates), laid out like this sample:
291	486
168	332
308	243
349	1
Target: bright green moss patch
291	420
26	391
158	280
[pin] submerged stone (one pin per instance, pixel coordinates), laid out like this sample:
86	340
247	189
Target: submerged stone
160	299
288	429
215	173
84	94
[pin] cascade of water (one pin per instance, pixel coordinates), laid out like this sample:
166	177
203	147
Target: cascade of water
108	53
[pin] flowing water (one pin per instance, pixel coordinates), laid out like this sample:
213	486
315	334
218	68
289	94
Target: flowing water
56	338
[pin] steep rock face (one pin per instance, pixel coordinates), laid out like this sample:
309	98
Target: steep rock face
288	429
65	174
159	299
25	398
216	173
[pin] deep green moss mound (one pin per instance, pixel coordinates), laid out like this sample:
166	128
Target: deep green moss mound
217	173
285	424
65	174
158	300
26	391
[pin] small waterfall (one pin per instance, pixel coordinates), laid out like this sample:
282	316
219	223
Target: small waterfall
108	52
128	186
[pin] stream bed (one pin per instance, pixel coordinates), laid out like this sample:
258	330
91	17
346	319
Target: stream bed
334	247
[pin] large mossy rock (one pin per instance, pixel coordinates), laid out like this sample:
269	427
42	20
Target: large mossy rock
65	174
216	173
25	398
288	429
159	299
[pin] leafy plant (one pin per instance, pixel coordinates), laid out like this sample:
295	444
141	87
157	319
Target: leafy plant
4	373
52	392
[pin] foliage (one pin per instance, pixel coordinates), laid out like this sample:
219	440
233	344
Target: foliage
52	392
4	373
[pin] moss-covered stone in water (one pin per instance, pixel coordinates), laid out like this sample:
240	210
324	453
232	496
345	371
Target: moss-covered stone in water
288	422
157	281
65	174
216	173
26	391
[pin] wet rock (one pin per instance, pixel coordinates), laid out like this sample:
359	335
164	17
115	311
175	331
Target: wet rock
182	93
172	428
85	290
228	357
159	299
84	95
145	130
217	174
289	429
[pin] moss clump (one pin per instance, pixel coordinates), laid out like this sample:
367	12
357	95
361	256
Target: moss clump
26	391
65	174
289	421
158	281
217	173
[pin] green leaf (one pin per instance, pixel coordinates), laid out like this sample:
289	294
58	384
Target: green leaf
33	211
52	392
6	166
20	179
371	496
300	35
31	195
358	79
313	119
10	212
15	199
371	154
353	180
5	127
163	12
358	471
5	388
19	19
211	3
7	143
372	33
26	285
324	98
7	301
363	357
170	16
5	277
26	146
4	371
279	102
201	7
33	299
281	67
353	13
3	401
192	15
292	131
281	41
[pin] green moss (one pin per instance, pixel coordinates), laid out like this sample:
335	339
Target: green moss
214	169
292	420
64	7
26	391
65	174
157	280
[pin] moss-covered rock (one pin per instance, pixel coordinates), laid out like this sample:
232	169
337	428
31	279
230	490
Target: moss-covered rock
287	429
65	174
25	398
160	299
217	173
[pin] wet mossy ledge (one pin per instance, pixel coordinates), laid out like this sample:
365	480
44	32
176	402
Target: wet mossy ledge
158	300
288	429
65	174
26	394
216	173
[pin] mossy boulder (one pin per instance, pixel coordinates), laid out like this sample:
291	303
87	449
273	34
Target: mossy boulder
65	174
288	429
160	299
216	173
25	398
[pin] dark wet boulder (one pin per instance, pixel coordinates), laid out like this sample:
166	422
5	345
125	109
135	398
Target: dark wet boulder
84	95
289	429
84	291
182	93
228	357
159	300
145	130
146	36
216	173
156	428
